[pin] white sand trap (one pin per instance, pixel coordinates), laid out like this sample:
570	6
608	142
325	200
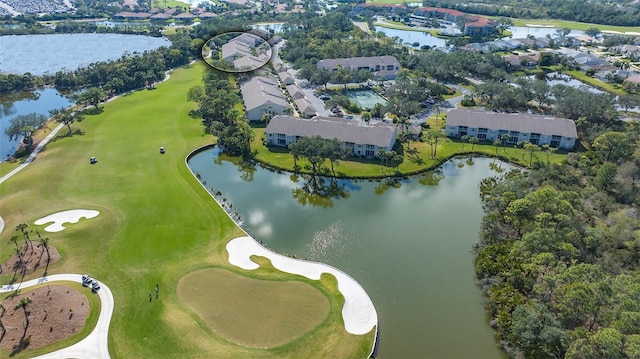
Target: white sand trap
632	33
60	218
358	312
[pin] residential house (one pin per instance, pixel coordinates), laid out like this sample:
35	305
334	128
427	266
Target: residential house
286	78
261	95
479	26
536	129
362	140
386	67
305	108
246	51
295	92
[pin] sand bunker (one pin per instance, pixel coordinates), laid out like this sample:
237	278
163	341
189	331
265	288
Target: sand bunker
60	218
358	312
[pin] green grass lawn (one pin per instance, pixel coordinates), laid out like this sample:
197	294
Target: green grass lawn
610	88
156	224
417	159
255	313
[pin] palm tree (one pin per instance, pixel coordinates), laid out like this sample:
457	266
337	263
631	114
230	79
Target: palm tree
496	143
45	244
531	149
464	139
23	303
473	141
436	106
504	139
4	330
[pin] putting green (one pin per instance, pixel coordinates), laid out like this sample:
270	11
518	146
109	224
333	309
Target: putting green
251	312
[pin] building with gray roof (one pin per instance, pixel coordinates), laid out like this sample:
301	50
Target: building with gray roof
536	129
386	67
263	94
363	140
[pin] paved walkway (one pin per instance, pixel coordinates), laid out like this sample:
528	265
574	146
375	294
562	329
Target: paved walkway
95	345
33	154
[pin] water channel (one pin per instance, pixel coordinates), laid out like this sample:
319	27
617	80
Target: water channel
409	244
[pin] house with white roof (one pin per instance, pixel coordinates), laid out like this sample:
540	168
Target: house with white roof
261	95
536	129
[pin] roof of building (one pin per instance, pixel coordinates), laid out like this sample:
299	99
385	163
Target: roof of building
521	122
333	127
479	21
260	91
295	91
305	106
355	62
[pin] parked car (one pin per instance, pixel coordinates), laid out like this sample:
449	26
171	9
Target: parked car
95	286
86	280
324	97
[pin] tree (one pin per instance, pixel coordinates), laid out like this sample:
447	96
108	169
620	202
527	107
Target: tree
366	116
496	143
433	137
613	146
473	141
538	331
504	138
235	138
592	31
629	101
464	139
4	330
92	96
531	149
24	303
548	150
605	177
25	126
44	242
334	151
503	24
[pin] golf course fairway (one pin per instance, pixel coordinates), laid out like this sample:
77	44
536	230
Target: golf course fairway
156	225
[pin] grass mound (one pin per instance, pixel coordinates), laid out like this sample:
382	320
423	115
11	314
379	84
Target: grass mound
251	312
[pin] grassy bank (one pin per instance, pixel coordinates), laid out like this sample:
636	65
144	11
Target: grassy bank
156	224
417	159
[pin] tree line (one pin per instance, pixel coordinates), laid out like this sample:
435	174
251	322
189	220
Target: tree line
597	12
559	253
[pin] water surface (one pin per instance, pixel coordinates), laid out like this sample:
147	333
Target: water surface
409	244
22	103
39	54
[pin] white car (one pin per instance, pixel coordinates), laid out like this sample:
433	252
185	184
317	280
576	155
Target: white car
95	286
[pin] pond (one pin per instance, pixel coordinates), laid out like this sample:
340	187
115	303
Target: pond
521	32
22	103
411	36
407	242
40	54
365	99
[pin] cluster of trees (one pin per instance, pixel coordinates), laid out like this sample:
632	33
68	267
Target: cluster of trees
597	12
317	150
594	113
456	66
559	254
410	90
218	101
329	37
24	126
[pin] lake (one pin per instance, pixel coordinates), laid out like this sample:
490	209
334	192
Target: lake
409	244
40	54
410	36
22	103
521	32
